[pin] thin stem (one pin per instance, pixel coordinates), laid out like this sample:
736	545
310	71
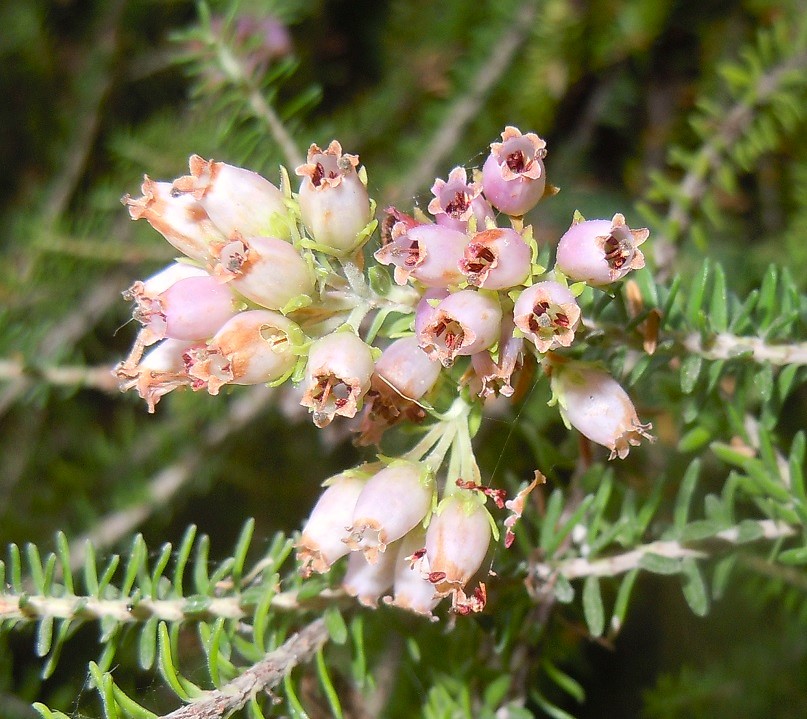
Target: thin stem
261	677
579	567
696	181
35	608
724	346
261	109
64	376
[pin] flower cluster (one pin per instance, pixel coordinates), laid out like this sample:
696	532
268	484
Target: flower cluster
273	288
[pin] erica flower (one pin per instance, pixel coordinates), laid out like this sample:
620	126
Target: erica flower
463	323
496	259
334	203
403	374
179	218
337	376
161	370
322	540
495	376
513	176
548	314
595	404
428	253
237	200
393	502
457	541
456	201
266	270
366	581
412	589
182	302
600	251
254	347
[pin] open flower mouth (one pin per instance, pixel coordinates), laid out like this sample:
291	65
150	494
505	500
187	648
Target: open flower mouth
458	205
618	251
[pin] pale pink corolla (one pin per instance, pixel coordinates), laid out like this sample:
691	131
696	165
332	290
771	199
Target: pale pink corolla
496	259
427	253
179	218
407	368
457	541
334	203
393	502
193	308
412	589
600	251
457	200
513	176
462	324
595	404
236	199
322	540
266	270
338	374
494	376
161	370
368	582
548	315
254	347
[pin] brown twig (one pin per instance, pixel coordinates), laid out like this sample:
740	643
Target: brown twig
261	677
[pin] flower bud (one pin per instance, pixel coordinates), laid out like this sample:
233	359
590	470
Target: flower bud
334	204
180	219
596	405
367	582
428	253
457	541
338	375
266	270
322	540
600	251
392	502
406	368
192	308
457	200
236	199
513	176
548	314
411	588
253	347
403	374
496	259
463	323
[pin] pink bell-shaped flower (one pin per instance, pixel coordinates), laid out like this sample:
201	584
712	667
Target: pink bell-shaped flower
595	404
393	502
237	200
254	347
513	176
322	541
600	251
496	259
548	314
463	323
334	203
338	374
